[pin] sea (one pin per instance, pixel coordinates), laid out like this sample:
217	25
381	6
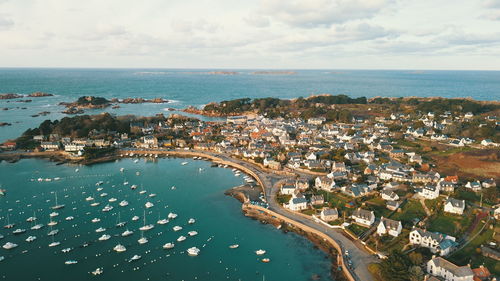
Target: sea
194	190
188	87
199	188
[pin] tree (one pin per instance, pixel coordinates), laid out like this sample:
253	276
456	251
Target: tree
416	258
396	267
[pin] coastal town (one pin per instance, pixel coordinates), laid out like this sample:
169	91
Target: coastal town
415	190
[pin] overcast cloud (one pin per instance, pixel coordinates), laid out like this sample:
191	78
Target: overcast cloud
332	34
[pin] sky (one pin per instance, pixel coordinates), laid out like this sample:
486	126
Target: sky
263	34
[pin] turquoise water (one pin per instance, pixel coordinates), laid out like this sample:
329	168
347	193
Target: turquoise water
198	194
188	87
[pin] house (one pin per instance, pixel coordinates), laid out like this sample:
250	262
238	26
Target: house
316	121
389	195
325	183
238	120
363	217
434	241
302	184
443	268
311	156
474	186
488	142
490	253
489	183
496	213
50	145
338	167
481	273
272	164
388	226
287	189
447	186
150	141
392	205
297	203
429	191
317	200
454	206
328	214
73	147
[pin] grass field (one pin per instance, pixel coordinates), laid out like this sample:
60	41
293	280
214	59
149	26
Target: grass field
411	210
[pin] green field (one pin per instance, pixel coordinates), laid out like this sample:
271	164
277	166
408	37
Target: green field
454	225
411	210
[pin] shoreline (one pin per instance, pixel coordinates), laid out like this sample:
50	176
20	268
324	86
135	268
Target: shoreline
333	250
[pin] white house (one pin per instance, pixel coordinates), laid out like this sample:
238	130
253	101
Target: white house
496	213
429	191
474	185
325	183
328	214
443	268
363	217
436	242
288	189
388	226
49	145
389	195
488	142
297	203
454	206
73	147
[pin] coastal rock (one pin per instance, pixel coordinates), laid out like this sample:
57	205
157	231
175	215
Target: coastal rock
5	124
274	73
86	102
8	96
39	94
73	110
142	100
24	100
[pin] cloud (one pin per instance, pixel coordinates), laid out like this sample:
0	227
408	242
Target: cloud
495	4
5	23
257	20
316	13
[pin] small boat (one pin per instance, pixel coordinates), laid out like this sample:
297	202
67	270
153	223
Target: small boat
9	225
95	204
104	237
184	163
37	226
127	233
177	228
234	246
173	187
135	218
146	227
77	170
100	229
136	160
162	221
19	231
90	198
142	240
149	205
260	252
57	206
99	183
172	216
134	258
137	173
53	232
142	192
168	246
30	239
152	195
99	188
111	200
95	220
191	221
52	223
107	208
193	251
66	250
54	244
98	271
122	169
104	194
70	262
2	258
9	246
123	203
31	219
70	218
266	260
54	214
125	183
1	236
193	233
119	248
134	186
181	238
3	192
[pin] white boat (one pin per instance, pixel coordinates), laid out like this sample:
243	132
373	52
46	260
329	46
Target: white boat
266	260
181	238
54	244
30	239
119	248
125	183
104	237
177	228
134	186
104	194
9	225
99	188
134	258
107	208
111	200
76	170
37	226
191	221
1	236
193	251
152	195
19	231
184	163
52	223
146	227
169	246
95	220
260	252
142	191
122	169
173	187
100	229
70	218
66	250
9	246
2	258
136	160
127	233
137	173
95	204
98	271
123	203
135	218
53	232
149	205
172	216
90	198
54	214
99	183
31	219
234	246
193	233
57	206
142	240
120	223
70	262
